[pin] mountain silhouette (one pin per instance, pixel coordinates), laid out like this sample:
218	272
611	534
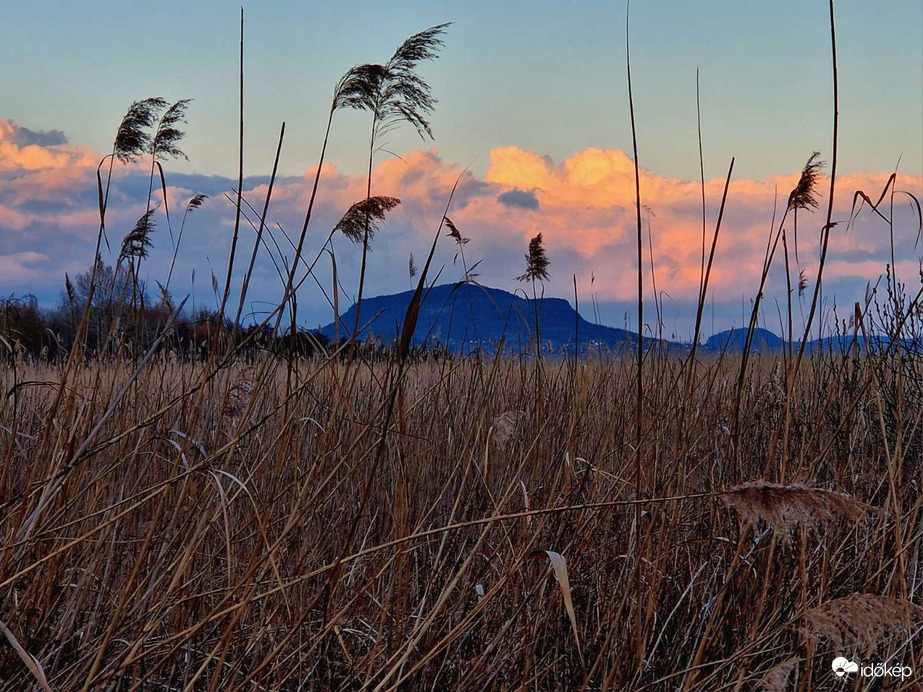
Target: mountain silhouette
463	316
734	340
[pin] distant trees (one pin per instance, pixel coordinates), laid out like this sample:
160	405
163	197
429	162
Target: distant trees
122	319
25	329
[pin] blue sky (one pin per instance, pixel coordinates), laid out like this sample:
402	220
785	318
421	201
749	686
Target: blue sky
545	76
531	95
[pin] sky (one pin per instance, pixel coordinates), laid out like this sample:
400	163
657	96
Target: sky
532	113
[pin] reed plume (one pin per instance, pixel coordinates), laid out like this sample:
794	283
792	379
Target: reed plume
804	194
776	678
860	621
454	233
165	143
361	221
506	426
394	94
136	242
536	262
785	507
132	139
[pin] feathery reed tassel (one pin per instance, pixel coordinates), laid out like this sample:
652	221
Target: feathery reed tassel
137	241
804	195
506	425
369	212
858	622
536	261
131	140
776	678
785	507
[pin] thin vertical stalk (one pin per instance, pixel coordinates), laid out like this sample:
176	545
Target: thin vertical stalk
259	232
240	178
639	381
828	226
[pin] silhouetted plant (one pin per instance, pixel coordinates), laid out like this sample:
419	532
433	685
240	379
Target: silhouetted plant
536	270
460	242
394	94
804	194
136	242
133	139
536	262
361	221
165	143
193	204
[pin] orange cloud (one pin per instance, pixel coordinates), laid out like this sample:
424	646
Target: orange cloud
584	207
587	204
16	152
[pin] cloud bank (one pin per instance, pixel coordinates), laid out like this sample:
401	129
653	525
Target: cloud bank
584	207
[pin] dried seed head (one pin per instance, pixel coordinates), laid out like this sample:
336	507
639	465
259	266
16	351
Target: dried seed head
536	261
776	678
785	507
131	140
859	622
137	241
506	425
365	214
804	196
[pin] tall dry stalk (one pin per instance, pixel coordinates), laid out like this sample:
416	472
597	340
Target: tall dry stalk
639	352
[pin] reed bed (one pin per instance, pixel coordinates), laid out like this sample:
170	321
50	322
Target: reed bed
213	535
216	506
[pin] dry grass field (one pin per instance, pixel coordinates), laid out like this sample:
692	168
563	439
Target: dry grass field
257	527
206	512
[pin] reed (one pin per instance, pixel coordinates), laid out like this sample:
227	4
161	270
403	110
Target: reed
257	512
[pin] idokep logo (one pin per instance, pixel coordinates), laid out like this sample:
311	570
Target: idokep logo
843	666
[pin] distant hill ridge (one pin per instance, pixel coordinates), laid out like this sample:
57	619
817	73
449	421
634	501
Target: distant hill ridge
463	316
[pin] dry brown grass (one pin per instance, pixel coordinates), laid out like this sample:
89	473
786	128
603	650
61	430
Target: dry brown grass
333	523
211	536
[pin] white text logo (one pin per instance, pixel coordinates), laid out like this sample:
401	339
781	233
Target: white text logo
843	666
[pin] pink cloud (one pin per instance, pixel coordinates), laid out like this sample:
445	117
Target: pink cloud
16	152
584	207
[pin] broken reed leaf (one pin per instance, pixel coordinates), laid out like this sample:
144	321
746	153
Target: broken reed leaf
559	566
35	668
371	211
